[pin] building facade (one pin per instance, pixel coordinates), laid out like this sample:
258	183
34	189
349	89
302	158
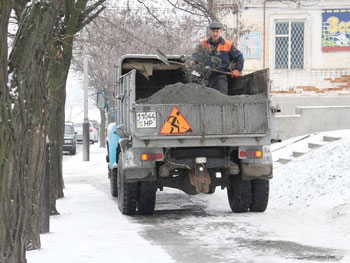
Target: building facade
306	44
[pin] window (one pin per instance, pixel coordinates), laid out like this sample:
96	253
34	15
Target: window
289	45
68	129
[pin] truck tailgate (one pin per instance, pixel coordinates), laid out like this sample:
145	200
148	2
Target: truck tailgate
189	116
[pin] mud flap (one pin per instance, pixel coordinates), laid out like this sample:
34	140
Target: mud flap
200	177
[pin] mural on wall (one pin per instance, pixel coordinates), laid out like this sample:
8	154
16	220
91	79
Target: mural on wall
336	30
251	44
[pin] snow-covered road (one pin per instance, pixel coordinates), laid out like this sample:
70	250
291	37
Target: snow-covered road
307	219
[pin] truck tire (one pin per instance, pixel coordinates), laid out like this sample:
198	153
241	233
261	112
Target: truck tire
113	182
127	192
239	194
260	195
146	197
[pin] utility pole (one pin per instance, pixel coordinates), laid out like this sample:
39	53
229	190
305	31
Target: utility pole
86	136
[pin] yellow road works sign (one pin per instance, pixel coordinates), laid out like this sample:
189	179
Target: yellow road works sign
176	123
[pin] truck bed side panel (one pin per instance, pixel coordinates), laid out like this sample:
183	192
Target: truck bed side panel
248	114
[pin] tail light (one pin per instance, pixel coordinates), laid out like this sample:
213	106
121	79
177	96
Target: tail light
250	154
151	156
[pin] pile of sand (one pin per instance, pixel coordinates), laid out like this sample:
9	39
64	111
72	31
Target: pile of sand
192	93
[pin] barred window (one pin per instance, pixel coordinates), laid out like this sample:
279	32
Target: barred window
289	45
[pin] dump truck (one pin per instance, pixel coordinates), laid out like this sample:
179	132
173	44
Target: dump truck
172	131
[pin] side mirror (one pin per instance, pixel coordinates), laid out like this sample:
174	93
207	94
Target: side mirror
100	100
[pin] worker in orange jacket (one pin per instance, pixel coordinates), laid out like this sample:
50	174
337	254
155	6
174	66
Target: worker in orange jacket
216	53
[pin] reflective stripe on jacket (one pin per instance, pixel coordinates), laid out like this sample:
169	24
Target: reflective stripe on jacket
226	51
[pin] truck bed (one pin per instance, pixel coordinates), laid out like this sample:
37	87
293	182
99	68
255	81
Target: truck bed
205	116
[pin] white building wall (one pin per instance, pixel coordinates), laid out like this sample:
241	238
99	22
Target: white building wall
319	68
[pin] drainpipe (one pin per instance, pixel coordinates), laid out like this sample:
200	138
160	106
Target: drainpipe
264	32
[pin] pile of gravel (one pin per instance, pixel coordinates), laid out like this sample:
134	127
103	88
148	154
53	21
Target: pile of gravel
192	93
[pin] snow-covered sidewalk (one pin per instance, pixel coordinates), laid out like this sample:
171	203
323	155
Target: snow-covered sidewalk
90	228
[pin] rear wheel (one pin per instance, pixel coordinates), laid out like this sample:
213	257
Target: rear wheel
239	194
127	191
146	197
113	182
260	195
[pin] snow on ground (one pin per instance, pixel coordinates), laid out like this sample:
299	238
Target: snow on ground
309	205
318	178
315	186
90	228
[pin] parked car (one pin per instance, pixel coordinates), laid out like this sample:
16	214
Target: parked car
96	125
93	134
70	139
79	129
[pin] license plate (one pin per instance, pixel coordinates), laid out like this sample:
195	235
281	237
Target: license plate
146	119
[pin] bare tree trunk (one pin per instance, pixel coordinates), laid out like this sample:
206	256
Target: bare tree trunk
24	112
34	184
58	69
24	134
61	56
11	193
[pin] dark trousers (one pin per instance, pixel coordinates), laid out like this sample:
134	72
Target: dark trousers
218	82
